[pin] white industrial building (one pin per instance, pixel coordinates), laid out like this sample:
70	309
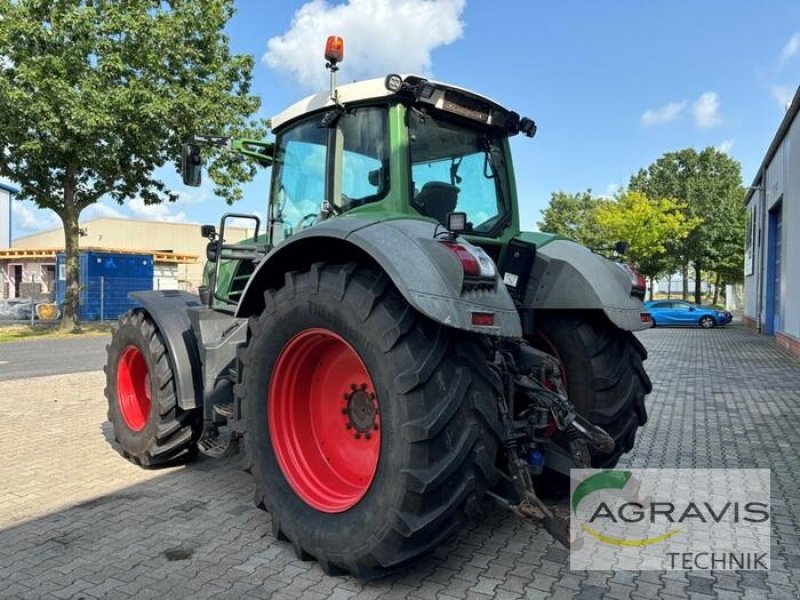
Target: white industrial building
772	247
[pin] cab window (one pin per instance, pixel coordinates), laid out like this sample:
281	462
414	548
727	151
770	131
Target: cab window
298	177
365	157
301	163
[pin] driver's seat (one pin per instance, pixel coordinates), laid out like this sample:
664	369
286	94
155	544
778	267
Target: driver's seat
437	199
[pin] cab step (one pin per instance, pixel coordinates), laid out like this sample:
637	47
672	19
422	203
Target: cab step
216	444
224	410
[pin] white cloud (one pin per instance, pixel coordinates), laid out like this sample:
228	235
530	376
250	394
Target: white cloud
99	209
790	48
155	212
196	195
380	37
783	95
664	114
705	110
725	146
26	218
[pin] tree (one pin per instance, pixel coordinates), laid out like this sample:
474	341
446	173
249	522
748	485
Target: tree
572	215
649	226
95	95
709	184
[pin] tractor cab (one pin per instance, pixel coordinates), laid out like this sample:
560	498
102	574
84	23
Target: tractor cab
403	146
400	147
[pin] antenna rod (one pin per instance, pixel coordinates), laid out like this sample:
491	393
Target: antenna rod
333	68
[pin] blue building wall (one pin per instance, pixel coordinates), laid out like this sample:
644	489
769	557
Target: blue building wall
106	280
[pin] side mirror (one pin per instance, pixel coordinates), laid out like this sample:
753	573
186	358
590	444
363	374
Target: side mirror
208	231
621	248
692	309
212	251
191	165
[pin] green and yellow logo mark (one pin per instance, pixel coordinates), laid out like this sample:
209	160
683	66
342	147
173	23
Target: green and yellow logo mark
611	480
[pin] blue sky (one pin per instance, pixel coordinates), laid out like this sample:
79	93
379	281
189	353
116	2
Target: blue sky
612	85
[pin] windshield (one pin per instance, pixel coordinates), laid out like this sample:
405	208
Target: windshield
455	168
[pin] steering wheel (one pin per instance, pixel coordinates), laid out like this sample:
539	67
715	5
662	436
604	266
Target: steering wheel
309	217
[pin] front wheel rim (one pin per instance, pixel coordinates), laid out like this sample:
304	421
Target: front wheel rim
323	420
133	388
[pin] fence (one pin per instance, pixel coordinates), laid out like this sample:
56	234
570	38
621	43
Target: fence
100	299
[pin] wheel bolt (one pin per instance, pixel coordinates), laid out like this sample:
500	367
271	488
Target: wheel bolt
372	396
375	427
353	386
367	435
344	411
357	435
363	386
348	425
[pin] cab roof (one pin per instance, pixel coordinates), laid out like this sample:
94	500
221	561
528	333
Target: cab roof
368	89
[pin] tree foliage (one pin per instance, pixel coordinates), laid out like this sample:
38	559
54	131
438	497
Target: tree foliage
709	184
95	95
572	215
649	225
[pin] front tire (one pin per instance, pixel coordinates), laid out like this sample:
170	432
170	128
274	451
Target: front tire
363	504
707	322
140	388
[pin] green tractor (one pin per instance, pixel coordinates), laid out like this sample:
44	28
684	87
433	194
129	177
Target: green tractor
392	354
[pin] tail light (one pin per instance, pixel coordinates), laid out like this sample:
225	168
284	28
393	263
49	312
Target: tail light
478	266
638	282
483	319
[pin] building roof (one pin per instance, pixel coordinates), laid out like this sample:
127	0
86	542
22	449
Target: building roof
788	118
160	257
126	220
8	188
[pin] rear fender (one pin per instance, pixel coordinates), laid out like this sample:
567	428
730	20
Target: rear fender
427	274
568	276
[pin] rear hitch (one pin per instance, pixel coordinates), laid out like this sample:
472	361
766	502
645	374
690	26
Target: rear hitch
554	518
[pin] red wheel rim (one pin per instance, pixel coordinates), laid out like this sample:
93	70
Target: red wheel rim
133	388
324	421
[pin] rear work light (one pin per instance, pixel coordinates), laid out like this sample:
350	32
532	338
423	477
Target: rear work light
475	262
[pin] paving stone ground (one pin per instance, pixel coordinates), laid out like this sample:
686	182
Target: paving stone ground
78	521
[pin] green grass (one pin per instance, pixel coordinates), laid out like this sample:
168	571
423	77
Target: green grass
16	333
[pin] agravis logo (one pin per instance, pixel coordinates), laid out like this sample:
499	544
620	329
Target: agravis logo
670	519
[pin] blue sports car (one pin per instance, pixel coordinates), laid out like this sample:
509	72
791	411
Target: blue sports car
678	312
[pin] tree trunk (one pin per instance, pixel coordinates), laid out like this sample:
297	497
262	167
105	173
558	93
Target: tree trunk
717	282
652	284
669	288
685	276
69	217
698	283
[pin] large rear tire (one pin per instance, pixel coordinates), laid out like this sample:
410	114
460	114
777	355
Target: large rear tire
140	388
370	431
604	372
